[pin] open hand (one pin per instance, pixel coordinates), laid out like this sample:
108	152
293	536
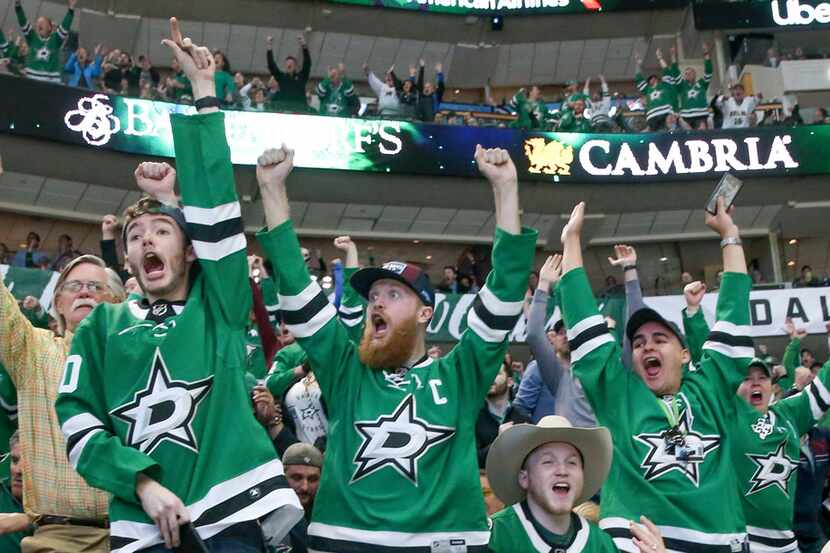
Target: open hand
573	228
625	256
647	536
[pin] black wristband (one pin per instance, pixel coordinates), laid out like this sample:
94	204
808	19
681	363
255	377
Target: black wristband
207	102
629	268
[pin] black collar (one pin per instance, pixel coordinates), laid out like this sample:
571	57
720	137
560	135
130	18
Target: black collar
161	310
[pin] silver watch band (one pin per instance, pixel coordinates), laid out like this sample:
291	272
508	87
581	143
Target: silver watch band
731	240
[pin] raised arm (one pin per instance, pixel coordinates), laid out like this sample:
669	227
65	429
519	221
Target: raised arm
25	27
62	31
729	348
305	71
498	304
537	339
211	207
595	355
694	323
792	353
273	68
625	257
351	310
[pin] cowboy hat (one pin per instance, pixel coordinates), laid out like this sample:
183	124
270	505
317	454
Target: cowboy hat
508	453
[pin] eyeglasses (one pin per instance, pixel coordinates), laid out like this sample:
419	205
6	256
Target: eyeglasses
75	286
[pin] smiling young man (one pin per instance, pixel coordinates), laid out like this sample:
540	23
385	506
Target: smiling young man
152	385
542	472
400	466
673	434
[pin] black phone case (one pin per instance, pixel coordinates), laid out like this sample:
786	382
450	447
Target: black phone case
190	540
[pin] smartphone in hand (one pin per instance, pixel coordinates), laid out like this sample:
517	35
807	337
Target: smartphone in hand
728	187
190	540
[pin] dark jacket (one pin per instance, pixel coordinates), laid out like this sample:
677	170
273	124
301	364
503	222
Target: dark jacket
292	85
429	104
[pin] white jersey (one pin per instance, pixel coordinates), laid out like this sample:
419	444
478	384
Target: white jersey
303	402
737	116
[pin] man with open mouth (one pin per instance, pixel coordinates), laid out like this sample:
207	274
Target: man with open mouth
672	431
400	472
767	442
153	384
542	472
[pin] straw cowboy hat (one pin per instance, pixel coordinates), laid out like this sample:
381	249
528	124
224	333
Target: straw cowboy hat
508	453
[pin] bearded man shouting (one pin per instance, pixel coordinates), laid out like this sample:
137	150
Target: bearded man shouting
400	471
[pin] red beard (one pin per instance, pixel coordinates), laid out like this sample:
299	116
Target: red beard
394	350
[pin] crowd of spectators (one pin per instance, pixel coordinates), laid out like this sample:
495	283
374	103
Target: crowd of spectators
669	101
221	399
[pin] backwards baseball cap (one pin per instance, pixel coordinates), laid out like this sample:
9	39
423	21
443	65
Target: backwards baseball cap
302	454
154	207
648	315
405	273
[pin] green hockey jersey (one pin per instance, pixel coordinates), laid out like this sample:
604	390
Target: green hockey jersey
150	391
692	96
687	491
766	456
791	360
571	123
530	114
400	470
43	62
514	530
661	99
338	99
351	313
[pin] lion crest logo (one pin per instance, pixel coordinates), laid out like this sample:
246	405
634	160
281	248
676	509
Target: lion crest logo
549	158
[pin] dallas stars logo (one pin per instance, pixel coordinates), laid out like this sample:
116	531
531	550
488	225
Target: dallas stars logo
692	93
398	440
773	469
164	410
43	54
655	95
662	459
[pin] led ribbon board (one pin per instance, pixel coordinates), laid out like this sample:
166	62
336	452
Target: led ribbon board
786	15
523	7
96	120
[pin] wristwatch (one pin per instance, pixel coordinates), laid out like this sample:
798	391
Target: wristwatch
731	241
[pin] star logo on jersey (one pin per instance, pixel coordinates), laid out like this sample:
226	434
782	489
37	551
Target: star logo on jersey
773	469
656	95
663	458
692	93
398	440
43	54
164	410
309	412
762	427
